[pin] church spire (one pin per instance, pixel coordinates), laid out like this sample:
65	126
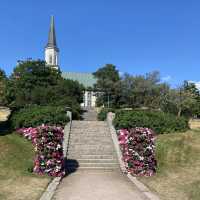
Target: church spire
52	35
51	49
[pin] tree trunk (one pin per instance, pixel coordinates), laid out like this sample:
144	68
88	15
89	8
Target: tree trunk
179	112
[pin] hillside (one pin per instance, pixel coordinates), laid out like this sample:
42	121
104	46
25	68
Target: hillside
178	156
16	180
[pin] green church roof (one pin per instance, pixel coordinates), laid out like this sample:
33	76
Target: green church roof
87	79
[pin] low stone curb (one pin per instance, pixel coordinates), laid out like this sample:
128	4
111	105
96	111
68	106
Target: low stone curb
50	191
67	134
144	190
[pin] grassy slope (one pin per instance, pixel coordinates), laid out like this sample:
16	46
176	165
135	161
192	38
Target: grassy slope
178	174
16	156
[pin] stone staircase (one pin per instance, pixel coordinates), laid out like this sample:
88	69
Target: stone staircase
91	146
90	114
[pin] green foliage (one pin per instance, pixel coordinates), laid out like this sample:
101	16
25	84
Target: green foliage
146	90
102	115
194	109
158	121
180	101
34	116
16	155
143	90
108	83
34	83
3	82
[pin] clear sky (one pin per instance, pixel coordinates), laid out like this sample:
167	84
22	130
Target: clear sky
138	36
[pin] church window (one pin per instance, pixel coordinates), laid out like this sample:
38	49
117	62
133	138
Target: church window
55	59
50	59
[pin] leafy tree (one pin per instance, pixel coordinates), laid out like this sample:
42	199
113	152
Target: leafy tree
180	101
34	83
3	82
191	87
143	91
108	84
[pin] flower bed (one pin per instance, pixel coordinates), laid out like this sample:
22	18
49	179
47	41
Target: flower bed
138	151
47	141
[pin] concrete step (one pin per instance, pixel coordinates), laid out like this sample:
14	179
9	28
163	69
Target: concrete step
90	142
90	152
103	169
89	124
90	137
88	157
92	146
81	129
89	134
84	140
94	165
114	161
89	127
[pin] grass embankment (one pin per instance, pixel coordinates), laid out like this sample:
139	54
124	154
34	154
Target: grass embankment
16	182
178	176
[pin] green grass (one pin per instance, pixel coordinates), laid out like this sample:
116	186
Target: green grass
178	157
16	155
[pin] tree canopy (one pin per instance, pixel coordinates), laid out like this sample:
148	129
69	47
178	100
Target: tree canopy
34	83
108	84
145	91
3	82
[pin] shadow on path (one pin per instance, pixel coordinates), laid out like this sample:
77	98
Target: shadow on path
71	166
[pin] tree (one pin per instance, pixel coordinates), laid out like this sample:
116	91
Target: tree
34	83
108	85
191	87
143	90
3	82
180	101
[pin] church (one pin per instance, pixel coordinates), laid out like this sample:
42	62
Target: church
86	79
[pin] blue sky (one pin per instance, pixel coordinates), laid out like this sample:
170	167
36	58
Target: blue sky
136	36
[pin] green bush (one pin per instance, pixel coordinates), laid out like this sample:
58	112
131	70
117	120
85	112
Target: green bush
102	115
34	116
160	122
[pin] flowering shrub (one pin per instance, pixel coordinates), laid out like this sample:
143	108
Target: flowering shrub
138	151
47	141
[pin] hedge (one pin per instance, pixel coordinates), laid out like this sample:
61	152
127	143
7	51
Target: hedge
102	115
34	116
158	121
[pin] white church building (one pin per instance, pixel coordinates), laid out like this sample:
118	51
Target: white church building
86	79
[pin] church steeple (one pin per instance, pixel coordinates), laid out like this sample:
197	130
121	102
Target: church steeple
52	35
51	49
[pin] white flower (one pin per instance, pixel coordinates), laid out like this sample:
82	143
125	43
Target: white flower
141	158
